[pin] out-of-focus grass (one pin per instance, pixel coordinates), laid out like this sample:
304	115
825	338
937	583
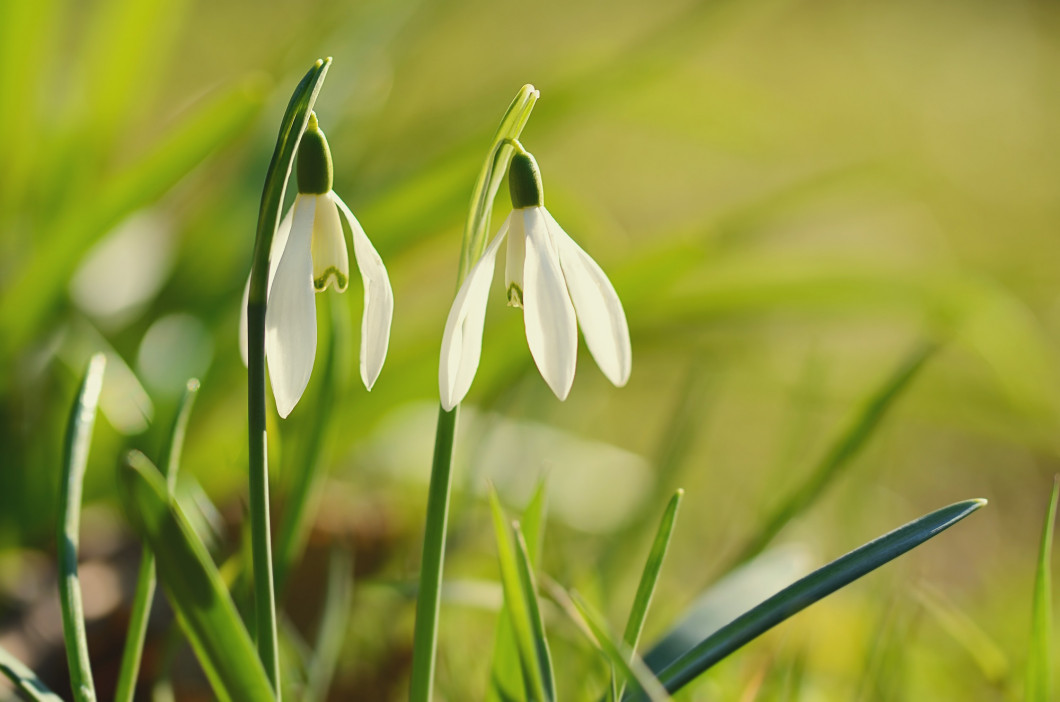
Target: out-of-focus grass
771	185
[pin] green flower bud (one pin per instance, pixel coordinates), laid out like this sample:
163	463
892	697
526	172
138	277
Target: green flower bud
524	182
314	160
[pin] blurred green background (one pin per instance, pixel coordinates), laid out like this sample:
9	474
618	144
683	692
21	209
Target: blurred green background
789	197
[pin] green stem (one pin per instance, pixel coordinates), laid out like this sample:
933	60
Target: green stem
75	459
430	591
294	123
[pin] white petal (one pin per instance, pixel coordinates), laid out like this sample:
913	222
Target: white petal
330	260
279	241
290	319
378	299
599	310
514	263
462	340
551	326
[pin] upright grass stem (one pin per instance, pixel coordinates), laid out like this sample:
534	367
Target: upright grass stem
294	123
425	642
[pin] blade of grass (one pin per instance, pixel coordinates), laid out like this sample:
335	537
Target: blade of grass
649	577
813	587
333	618
506	678
193	586
24	679
620	656
75	458
528	590
145	581
1040	662
841	454
521	604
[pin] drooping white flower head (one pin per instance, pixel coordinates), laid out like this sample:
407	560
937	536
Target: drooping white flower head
309	254
559	288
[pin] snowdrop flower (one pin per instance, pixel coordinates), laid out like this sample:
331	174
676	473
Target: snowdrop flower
557	285
308	255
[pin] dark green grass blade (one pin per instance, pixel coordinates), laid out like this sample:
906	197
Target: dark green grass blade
624	659
522	607
802	594
145	582
842	452
650	576
1040	661
193	586
25	680
506	678
75	458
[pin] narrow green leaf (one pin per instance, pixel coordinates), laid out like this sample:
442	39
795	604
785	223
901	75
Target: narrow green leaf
813	587
620	655
24	679
841	453
492	175
521	606
193	586
1040	662
145	581
75	458
649	577
332	633
528	589
506	678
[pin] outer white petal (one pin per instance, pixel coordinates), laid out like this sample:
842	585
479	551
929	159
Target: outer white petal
290	319
600	313
279	241
462	340
331	263
551	326
378	299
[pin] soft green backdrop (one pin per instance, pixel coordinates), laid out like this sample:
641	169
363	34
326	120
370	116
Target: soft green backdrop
789	197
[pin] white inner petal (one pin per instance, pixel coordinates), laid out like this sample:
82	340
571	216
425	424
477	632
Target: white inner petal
551	326
331	262
290	318
600	313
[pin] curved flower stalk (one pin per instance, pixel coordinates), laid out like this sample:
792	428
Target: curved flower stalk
554	281
308	255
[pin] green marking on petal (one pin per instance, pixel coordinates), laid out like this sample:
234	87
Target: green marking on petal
320	283
515	296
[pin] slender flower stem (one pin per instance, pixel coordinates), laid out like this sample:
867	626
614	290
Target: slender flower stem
294	123
428	600
430	591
